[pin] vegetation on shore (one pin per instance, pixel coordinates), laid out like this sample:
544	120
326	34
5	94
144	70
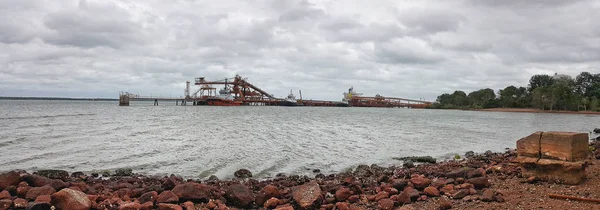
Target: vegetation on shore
544	92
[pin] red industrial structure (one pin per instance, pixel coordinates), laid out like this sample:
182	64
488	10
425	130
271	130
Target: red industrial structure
238	91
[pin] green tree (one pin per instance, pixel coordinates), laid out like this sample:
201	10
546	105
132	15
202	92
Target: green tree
540	80
508	96
460	98
481	98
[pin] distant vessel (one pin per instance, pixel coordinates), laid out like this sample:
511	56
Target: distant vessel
223	99
290	100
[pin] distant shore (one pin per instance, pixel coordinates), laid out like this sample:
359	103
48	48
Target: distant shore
57	98
536	111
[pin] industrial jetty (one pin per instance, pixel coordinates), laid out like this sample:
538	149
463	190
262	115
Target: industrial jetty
238	91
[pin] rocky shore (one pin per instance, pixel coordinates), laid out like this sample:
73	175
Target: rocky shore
477	181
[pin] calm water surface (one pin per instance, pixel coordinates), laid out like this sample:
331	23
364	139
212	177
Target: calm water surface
199	141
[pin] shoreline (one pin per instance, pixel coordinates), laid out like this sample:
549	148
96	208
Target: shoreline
524	110
479	181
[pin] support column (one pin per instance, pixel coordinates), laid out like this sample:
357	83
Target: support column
155	102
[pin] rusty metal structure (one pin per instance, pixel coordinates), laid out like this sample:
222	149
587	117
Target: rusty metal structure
355	99
239	87
238	91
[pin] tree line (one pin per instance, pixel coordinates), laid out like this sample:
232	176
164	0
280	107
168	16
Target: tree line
545	92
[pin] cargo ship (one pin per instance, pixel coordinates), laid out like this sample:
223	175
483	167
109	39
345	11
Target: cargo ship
290	100
223	99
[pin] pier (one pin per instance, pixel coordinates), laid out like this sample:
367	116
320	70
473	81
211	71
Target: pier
238	91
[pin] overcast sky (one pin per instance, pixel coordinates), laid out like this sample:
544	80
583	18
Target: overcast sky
411	49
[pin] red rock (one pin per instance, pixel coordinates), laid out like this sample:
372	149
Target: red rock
20	203
308	195
168	206
448	189
403	198
353	199
381	195
43	199
431	191
466	186
445	205
472	191
192	191
343	194
460	194
420	182
149	196
487	196
459	180
243	173
266	193
391	190
439	183
211	205
167	197
5	195
327	206
170	183
71	199
400	184
130	206
342	206
9	179
147	206
412	193
385	204
240	195
285	207
272	203
22	191
422	198
5	204
479	182
188	205
33	193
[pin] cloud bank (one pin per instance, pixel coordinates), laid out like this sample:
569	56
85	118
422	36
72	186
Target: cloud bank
411	49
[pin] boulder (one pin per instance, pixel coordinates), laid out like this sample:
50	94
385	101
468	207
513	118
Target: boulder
5	204
566	146
445	205
167	197
11	178
432	191
556	171
188	205
460	194
71	199
5	195
385	204
403	198
487	196
149	196
166	206
479	182
130	206
240	195
308	195
192	191
243	173
382	195
420	182
33	193
343	194
20	203
272	203
124	172
54	174
529	146
43	199
400	184
266	193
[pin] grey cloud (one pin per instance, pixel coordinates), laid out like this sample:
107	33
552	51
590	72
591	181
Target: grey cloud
93	25
405	49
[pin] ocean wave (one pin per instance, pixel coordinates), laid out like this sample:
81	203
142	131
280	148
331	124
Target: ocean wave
44	116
